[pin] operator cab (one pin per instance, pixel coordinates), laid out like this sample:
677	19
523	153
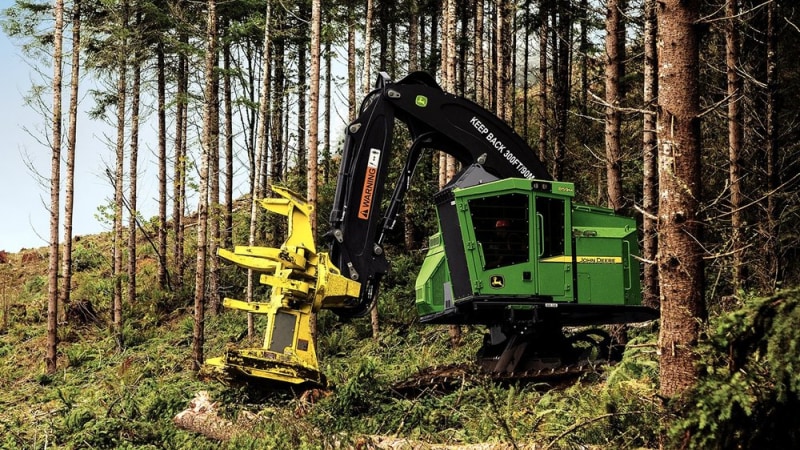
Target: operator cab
520	244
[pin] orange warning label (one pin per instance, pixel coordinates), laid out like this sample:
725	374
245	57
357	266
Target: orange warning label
370	179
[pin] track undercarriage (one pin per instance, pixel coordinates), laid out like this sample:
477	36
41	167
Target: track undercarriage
546	356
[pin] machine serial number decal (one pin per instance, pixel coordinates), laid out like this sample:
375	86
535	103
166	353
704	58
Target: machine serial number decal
370	179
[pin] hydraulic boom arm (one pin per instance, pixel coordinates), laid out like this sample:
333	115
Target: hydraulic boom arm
436	120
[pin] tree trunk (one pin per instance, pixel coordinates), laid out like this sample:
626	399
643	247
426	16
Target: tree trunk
179	178
435	52
583	50
544	32
447	163
562	53
680	259
650	159
525	69
615	54
69	188
163	278
313	127
227	214
119	193
772	253
368	47
480	97
278	92
51	354
260	152
351	63
301	164
503	39
413	65
326	115
212	291
132	168
313	122
735	136
463	49
198	333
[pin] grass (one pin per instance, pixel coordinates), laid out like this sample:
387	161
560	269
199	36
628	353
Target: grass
102	397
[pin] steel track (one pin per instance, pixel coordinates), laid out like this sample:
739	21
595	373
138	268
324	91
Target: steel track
449	377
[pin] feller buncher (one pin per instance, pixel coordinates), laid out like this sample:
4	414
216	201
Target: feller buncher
513	251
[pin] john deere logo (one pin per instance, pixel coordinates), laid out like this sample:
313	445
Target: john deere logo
497	281
421	101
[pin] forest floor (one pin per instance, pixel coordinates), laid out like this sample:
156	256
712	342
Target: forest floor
108	396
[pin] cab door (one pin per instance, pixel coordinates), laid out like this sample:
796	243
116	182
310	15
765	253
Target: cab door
498	244
553	247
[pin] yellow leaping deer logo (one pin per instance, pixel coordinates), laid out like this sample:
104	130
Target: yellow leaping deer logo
497	281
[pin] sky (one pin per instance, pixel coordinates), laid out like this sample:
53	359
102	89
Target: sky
24	198
24	152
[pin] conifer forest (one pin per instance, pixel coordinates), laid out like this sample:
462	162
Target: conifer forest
676	118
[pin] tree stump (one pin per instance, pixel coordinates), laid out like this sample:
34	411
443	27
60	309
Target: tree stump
201	417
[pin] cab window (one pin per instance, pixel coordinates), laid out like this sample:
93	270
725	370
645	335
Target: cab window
502	229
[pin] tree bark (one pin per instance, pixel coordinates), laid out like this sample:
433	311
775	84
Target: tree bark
72	128
313	127
368	47
301	164
198	333
118	179
615	54
583	49
278	93
132	178
680	259
772	253
326	115
51	354
544	32
226	239
256	191
179	163
525	72
650	159
351	63
503	38
163	278
480	97
214	209
562	56
313	122
447	163
735	137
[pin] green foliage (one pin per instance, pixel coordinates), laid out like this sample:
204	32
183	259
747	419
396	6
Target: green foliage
396	302
78	354
357	395
750	390
36	285
92	287
87	256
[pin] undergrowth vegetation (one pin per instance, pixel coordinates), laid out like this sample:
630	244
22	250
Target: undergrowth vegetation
104	397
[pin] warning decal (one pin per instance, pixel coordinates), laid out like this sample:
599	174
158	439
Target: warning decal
370	178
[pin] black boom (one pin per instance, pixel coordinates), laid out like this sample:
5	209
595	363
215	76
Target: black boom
436	120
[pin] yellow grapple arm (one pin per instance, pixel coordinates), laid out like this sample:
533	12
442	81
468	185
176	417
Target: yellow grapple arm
303	281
